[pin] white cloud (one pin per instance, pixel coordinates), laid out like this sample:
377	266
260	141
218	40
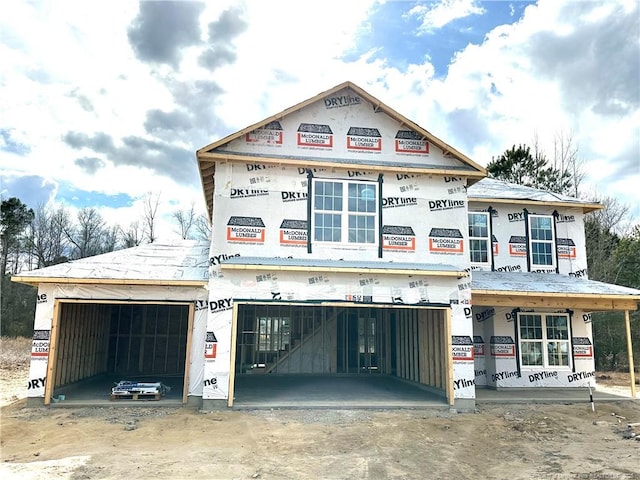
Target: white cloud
438	15
69	67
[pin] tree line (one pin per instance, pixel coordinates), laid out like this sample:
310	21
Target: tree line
32	238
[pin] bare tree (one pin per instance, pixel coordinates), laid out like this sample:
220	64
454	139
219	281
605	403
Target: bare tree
47	243
110	239
87	236
613	217
564	171
132	237
566	159
151	203
603	229
186	220
203	227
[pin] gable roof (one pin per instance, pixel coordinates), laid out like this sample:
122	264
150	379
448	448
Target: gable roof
498	191
206	156
173	263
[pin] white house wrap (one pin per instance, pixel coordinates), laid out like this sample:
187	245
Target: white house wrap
346	240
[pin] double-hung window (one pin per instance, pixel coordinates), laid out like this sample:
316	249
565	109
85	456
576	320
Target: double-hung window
479	238
544	340
345	211
541	241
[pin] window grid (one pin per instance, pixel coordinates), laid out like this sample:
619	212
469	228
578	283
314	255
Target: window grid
357	216
541	240
544	340
479	237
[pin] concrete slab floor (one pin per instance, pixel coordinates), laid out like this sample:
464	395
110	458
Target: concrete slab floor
96	391
332	391
363	391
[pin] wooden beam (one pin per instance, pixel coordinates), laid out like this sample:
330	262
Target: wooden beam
590	302
232	366
53	354
190	326
228	156
586	207
431	340
207	169
121	302
448	357
307	268
332	303
415	348
632	374
109	281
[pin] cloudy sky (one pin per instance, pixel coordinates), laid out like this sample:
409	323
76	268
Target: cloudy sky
104	102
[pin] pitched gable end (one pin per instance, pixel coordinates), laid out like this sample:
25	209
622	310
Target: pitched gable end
339	128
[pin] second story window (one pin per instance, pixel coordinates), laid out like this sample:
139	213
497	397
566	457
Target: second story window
541	241
345	211
479	238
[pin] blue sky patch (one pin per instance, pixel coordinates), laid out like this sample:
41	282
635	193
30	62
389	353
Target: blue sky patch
84	198
396	38
8	144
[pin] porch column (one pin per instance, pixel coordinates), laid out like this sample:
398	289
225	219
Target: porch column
632	374
232	366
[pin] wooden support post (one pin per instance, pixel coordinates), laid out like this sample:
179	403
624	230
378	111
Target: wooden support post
448	357
632	374
53	353
232	366
187	361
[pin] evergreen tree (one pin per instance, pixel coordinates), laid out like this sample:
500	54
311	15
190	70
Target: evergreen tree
14	219
17	302
518	165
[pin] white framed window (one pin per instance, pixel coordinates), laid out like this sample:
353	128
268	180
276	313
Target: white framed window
544	339
541	241
345	211
479	238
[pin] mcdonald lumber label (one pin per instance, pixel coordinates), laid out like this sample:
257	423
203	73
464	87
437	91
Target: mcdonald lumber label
478	346
40	344
315	135
398	238
408	141
566	248
517	246
494	243
210	346
446	240
360	138
245	230
582	347
461	348
503	346
293	232
270	134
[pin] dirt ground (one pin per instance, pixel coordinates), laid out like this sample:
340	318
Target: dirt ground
496	442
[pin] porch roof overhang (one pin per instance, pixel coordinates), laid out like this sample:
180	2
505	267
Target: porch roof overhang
182	263
341	266
549	290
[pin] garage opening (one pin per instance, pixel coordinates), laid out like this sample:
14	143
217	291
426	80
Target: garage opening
144	345
304	353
